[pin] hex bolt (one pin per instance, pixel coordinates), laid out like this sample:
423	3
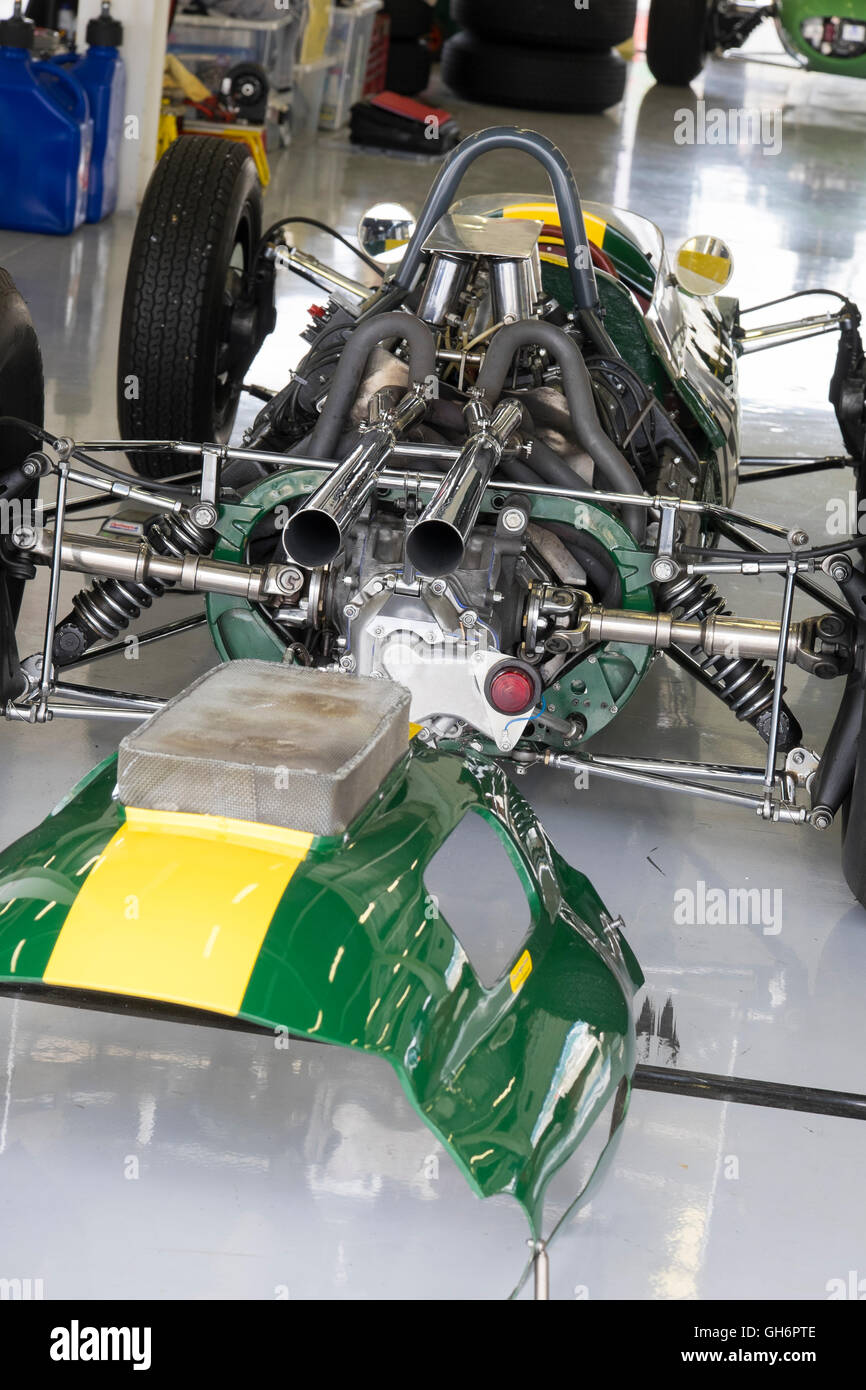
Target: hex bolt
350	611
840	571
470	618
347	663
203	514
822	818
438	587
662	569
799	538
513	519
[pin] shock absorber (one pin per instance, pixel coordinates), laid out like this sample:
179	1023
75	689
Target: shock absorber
106	607
744	685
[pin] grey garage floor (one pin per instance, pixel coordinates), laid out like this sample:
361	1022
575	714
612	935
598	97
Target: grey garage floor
153	1160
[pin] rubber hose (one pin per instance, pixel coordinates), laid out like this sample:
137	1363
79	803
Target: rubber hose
516	471
548	464
613	467
595	558
448	415
346	381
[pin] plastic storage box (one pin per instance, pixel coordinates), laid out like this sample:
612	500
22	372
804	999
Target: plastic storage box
308	88
349	49
271	42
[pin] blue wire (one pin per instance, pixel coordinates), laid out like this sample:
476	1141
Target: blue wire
524	717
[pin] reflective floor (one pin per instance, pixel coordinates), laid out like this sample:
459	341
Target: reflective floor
143	1159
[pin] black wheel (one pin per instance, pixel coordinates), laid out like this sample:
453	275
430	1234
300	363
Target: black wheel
22	394
538	79
677	40
248	90
409	67
180	367
410	19
549	23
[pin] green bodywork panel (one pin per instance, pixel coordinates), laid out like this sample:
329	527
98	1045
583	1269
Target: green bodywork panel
510	1078
791	16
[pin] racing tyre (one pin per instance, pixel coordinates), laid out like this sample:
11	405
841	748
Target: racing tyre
409	67
677	41
538	79
22	394
410	19
549	23
179	375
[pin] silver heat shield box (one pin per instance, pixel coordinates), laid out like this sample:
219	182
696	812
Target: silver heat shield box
277	744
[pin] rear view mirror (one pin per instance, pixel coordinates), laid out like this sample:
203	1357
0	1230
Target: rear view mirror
384	232
704	265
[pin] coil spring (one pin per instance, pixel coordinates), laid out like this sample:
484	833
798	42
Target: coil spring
745	686
108	606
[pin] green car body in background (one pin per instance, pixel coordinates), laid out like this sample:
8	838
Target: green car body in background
682	33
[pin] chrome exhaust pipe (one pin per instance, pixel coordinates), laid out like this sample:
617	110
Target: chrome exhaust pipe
437	542
314	536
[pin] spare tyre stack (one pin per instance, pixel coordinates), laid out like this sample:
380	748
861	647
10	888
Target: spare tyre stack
409	57
542	55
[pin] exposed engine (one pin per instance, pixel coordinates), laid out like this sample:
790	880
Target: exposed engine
481	532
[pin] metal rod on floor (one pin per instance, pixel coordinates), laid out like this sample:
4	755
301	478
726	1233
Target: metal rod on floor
541	1271
775	1095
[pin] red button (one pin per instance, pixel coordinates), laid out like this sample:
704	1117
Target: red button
512	692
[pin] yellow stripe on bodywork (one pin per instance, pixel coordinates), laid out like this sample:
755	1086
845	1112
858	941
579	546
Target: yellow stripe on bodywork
548	213
176	908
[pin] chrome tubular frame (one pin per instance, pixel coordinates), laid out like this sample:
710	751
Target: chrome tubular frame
765	792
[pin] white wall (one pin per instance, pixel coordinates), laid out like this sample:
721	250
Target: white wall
145	28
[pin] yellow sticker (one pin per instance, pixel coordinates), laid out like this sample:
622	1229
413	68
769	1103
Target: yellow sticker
521	972
414	729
